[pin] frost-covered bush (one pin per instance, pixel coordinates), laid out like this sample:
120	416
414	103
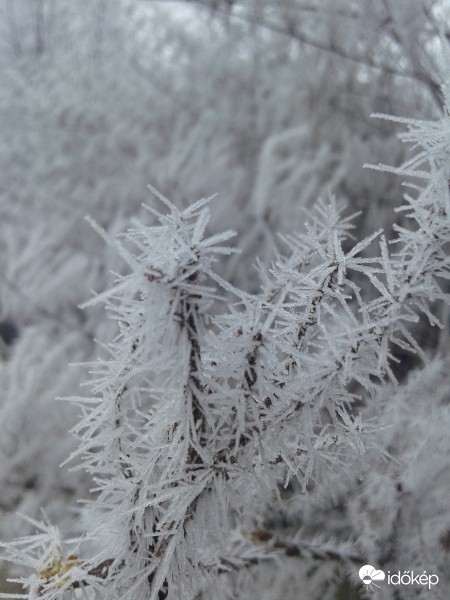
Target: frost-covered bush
291	415
97	99
257	444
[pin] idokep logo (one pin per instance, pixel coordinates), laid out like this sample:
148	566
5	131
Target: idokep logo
369	576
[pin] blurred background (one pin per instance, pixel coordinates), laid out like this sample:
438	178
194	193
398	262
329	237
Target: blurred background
265	103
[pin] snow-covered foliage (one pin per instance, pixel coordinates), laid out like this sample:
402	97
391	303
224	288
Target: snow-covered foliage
243	433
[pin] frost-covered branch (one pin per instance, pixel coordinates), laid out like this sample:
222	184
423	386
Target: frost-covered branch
200	415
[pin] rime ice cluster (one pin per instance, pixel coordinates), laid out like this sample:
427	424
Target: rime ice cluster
211	402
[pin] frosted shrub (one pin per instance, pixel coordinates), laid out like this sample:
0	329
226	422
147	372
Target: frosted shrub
211	403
